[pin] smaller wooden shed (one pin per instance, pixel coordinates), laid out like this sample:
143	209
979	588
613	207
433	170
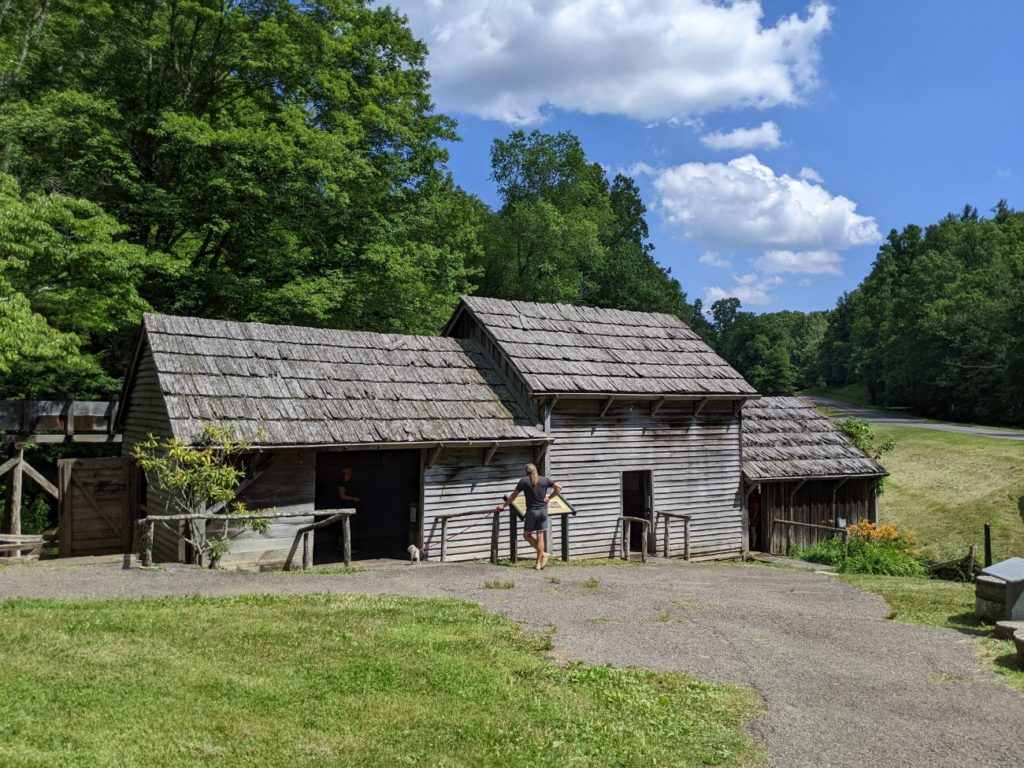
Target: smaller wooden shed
800	470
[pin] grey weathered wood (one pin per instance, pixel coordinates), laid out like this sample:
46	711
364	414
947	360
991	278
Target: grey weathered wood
626	523
513	534
444	539
307	545
41	481
495	527
346	539
565	538
14	490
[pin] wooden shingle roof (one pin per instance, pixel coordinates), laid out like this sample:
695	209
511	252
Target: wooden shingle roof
787	438
287	385
561	348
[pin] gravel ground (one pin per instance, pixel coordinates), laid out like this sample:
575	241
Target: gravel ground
842	686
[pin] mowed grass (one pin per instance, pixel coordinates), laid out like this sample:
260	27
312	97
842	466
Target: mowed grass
933	603
335	680
945	486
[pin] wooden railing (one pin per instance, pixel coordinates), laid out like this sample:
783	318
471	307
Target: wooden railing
513	531
495	524
147	528
625	523
13	545
666	546
58	421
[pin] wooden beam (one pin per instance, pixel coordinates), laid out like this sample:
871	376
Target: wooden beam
68	415
540	454
7	466
606	406
656	406
489	454
41	481
14	496
792	494
699	407
247	483
737	407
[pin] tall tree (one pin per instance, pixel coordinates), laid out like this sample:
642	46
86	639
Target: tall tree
279	152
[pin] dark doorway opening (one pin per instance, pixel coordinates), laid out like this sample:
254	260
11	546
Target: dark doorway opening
387	484
637	502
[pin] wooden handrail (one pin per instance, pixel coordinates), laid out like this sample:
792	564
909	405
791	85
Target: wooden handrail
626	521
666	548
845	532
346	540
147	525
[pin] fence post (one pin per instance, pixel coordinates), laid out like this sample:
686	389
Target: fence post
686	538
643	549
444	539
846	543
789	529
565	538
988	545
666	550
513	535
627	532
346	540
495	523
306	554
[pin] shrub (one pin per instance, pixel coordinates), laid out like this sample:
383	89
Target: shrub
879	550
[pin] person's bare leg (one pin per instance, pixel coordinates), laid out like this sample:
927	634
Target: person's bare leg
542	556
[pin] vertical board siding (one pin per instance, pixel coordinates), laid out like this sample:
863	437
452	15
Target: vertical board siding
695	466
459	482
812	504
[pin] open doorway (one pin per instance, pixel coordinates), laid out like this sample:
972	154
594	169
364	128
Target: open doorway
637	502
387	484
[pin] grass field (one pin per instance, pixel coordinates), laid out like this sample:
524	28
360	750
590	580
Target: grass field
335	680
945	486
943	604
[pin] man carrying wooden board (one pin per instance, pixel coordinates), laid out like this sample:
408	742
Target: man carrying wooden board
535	489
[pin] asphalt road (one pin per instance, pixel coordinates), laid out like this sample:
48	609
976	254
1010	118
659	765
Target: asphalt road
842	685
876	416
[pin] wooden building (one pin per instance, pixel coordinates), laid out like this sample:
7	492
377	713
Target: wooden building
631	411
798	466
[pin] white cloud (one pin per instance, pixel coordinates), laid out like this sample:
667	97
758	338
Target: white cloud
766	136
640	168
805	283
751	289
809	174
649	60
800	262
712	259
743	204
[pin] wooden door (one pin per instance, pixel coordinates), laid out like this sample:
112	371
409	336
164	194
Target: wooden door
95	509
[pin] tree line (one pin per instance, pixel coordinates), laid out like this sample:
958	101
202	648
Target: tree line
267	160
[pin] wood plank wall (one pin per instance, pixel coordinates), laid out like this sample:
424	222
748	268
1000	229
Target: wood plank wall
459	482
147	414
695	465
813	504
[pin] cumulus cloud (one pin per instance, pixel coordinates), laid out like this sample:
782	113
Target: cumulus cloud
751	289
809	174
765	136
649	60
800	262
712	259
743	204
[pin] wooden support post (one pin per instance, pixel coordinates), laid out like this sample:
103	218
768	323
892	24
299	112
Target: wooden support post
656	406
972	555
146	543
846	544
434	454
686	538
495	525
626	532
513	535
307	552
666	549
346	539
444	539
565	538
643	546
606	406
699	406
489	454
14	487
988	545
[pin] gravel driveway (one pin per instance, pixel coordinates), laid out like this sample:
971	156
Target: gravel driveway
842	685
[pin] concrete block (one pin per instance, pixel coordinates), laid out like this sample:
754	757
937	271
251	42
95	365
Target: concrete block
1005	629
989	610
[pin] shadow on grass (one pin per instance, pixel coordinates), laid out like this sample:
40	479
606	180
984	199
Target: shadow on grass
1008	661
968	623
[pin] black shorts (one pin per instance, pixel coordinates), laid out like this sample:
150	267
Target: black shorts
536	521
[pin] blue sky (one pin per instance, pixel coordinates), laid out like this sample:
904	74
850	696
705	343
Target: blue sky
775	143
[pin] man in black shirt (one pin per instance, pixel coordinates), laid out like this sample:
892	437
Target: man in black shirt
534	488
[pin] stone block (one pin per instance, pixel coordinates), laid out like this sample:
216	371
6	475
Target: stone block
990	588
1005	629
989	610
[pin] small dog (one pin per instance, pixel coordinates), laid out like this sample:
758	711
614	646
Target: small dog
414	553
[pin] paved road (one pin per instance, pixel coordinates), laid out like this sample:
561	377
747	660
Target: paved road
842	685
876	416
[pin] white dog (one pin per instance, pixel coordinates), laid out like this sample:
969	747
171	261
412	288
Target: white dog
414	553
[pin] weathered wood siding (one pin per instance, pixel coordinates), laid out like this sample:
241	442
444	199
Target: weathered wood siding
289	485
854	501
695	466
145	414
459	482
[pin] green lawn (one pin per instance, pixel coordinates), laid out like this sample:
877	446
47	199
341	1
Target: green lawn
946	486
335	680
943	604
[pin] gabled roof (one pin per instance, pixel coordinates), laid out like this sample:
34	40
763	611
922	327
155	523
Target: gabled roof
286	385
561	348
787	438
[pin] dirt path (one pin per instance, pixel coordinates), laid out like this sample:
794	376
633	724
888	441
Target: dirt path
876	416
842	685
